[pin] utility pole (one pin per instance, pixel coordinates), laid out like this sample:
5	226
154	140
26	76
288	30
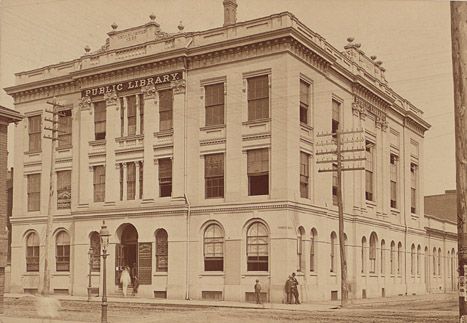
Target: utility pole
336	146
53	128
459	68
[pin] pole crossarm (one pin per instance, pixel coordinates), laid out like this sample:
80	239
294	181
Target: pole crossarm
342	169
343	160
346	132
334	152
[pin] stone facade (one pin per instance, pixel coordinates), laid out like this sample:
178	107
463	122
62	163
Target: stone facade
264	236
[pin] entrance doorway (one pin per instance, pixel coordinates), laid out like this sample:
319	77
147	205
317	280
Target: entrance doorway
126	252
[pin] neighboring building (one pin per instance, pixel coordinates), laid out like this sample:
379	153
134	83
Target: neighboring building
7	116
198	149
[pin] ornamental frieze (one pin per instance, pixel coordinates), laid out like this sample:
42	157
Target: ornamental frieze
178	86
149	91
85	102
110	97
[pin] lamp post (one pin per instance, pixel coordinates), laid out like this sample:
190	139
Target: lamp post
90	253
104	234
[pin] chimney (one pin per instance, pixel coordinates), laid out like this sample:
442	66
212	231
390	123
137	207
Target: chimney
230	12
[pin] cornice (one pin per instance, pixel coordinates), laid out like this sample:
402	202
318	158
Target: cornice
441	233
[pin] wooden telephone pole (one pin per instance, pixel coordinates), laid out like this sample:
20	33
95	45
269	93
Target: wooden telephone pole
53	128
459	68
336	146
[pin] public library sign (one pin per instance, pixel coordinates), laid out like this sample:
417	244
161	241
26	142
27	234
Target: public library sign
133	84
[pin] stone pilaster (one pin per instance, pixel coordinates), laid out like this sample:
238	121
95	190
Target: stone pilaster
178	163
150	98
112	132
86	122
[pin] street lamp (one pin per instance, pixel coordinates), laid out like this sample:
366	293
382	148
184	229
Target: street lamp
104	234
90	254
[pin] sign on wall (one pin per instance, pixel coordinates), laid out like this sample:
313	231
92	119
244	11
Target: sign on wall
145	263
133	84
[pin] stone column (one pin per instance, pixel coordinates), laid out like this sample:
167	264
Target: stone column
178	163
125	116
86	115
112	132
125	189
137	131
137	180
150	98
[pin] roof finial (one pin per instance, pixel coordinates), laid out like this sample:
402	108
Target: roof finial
114	26
87	49
152	16
180	26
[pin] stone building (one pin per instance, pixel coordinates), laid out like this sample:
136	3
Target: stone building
199	150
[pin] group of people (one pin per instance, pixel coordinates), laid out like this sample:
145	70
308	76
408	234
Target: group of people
128	276
291	289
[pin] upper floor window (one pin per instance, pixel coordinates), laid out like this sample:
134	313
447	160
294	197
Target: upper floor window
99	120
369	171
258	97
35	133
162	251
141	113
141	178
394	179
64	189
257	242
165	177
165	110
214	175
258	171
131	181
34	192
304	101
62	255
413	187
64	128
334	184
304	174
336	110
131	114
214	104
213	248
32	252
99	183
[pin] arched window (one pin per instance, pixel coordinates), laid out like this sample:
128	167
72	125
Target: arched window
412	260
333	251
363	256
213	248
373	242
392	257
32	252
313	239
434	261
439	262
300	249
257	247
95	241
162	251
62	251
399	257
419	259
383	256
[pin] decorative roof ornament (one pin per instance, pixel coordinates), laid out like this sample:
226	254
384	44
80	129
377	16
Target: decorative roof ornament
114	26
152	16
373	57
87	49
180	26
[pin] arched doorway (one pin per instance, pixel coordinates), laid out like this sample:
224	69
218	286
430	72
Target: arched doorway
126	252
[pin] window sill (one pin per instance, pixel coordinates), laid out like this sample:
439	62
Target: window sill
31	273
333	274
414	215
373	275
212	127
214	199
33	153
370	204
161	273
34	212
128	138
61	273
212	273
252	122
255	273
313	273
164	133
100	142
64	148
306	126
393	210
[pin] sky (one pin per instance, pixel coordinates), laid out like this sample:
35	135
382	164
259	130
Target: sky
412	38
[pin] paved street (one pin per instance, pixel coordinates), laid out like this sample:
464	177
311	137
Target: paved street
430	308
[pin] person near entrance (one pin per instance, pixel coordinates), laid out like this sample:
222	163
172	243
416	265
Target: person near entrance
125	280
258	292
294	288
134	278
288	289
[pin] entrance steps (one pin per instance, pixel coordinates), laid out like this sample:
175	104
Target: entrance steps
119	293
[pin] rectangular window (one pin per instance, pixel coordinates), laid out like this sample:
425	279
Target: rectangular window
131	181
369	171
165	177
334	184
64	128
99	183
99	120
214	104
63	258
131	115
121	181
32	258
413	188
35	133
165	110
141	114
336	107
258	171
122	116
64	189
393	178
141	180
258	98
34	192
304	174
214	175
304	101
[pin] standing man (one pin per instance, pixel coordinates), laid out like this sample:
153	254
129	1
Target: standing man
258	292
295	288
288	289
